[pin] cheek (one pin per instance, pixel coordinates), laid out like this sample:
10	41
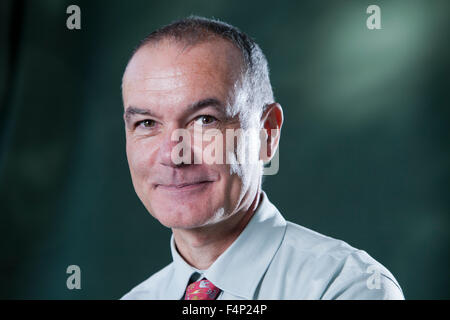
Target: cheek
139	155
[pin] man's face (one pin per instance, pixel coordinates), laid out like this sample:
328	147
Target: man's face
168	87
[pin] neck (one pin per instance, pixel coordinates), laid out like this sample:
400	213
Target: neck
200	247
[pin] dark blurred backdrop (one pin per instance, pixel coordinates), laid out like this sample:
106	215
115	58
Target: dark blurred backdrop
364	154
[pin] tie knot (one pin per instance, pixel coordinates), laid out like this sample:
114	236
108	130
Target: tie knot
201	290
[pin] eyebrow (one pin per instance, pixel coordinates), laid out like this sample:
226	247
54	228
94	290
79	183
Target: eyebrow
198	105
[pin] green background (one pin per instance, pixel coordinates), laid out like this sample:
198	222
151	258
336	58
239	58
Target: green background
364	154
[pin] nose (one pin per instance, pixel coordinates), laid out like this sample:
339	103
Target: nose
175	148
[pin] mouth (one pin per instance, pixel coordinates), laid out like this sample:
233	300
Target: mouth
184	186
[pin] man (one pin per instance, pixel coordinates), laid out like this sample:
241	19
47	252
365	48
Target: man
228	240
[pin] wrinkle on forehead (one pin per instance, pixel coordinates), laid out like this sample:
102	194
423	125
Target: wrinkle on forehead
169	79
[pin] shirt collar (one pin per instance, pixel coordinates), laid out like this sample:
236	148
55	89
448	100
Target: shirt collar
239	269
182	273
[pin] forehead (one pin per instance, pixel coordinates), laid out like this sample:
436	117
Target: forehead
168	72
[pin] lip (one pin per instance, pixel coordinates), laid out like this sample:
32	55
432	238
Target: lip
184	186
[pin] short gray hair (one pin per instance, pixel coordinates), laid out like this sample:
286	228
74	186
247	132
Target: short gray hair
257	90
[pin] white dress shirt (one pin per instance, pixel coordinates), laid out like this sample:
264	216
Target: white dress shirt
276	259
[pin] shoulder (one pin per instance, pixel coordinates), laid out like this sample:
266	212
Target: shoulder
304	244
150	288
333	268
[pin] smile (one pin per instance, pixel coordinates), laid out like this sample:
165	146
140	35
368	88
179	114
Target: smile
184	186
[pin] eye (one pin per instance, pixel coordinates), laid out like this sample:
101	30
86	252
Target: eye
146	123
205	120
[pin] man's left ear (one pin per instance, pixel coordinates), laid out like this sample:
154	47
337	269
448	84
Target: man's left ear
271	121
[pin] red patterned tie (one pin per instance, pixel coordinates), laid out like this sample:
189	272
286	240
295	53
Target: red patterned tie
201	290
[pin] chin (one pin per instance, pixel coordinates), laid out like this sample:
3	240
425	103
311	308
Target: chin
183	219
